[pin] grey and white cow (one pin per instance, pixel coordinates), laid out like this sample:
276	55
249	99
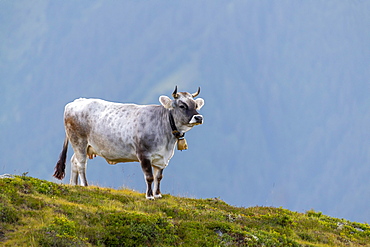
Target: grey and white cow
126	133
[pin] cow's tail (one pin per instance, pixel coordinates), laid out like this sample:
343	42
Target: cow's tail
61	164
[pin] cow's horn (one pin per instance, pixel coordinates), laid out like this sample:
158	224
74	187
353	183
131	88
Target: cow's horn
174	94
197	93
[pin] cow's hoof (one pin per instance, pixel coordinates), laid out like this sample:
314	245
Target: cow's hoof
150	197
158	196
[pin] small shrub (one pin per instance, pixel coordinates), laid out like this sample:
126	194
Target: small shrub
131	229
273	238
61	232
309	237
34	203
313	213
283	220
8	214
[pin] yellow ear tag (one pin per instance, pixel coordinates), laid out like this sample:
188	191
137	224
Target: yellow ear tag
181	144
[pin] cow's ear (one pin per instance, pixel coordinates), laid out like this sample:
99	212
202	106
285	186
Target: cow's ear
166	102
200	103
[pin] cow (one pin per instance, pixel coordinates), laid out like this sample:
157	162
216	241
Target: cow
127	133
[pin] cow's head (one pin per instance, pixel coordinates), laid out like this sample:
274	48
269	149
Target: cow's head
184	108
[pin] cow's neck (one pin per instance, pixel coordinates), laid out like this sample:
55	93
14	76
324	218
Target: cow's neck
181	142
175	132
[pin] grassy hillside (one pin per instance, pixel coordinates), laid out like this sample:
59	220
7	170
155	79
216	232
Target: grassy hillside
35	212
284	83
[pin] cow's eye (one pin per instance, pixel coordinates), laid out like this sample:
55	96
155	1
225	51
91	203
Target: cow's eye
183	106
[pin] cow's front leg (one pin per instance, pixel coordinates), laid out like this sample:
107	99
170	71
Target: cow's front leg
148	175
157	181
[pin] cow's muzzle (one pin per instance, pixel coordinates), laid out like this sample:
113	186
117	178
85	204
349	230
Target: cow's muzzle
196	119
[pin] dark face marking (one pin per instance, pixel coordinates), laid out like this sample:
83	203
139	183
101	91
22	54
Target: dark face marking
185	109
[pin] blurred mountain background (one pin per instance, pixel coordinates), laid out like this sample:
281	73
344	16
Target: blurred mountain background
286	85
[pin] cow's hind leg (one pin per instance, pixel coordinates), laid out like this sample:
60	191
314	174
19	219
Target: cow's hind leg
74	171
78	167
157	181
148	175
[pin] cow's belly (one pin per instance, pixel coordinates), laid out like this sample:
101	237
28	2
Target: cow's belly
113	153
115	161
118	157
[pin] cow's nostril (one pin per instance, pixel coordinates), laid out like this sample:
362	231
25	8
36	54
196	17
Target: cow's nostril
198	118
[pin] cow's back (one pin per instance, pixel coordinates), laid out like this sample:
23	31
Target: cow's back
90	114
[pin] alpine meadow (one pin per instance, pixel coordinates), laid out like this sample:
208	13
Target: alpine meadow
36	212
285	143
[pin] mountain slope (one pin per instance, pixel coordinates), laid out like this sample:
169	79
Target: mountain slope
286	87
40	213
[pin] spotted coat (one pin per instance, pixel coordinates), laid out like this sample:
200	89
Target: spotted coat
126	133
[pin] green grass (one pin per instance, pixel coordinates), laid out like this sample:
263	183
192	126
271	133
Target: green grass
35	212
